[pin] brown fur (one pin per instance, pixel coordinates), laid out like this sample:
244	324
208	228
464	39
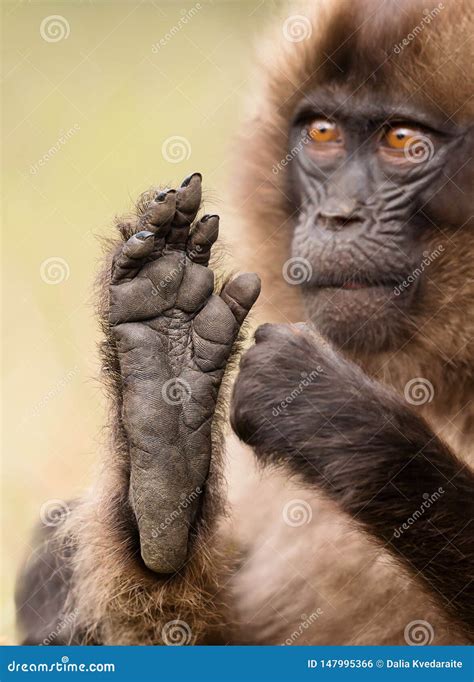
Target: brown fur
371	600
289	69
251	577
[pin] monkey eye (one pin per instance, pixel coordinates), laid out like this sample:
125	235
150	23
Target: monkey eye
323	131
401	138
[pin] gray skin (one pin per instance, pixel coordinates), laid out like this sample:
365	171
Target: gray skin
364	217
174	337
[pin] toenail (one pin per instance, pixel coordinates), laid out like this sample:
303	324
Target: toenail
144	234
208	216
161	196
187	180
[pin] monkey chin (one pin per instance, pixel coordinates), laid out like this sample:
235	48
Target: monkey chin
363	319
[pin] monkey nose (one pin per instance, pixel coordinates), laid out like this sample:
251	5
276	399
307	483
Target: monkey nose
337	213
339	208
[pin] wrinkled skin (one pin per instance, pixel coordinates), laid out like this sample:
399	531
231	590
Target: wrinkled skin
174	337
365	215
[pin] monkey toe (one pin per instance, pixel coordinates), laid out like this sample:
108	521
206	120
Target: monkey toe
132	255
188	200
214	331
202	238
160	211
241	293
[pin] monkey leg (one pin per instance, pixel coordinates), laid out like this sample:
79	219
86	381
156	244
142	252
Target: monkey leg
302	405
143	560
173	337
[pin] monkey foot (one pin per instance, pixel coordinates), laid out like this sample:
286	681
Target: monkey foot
173	337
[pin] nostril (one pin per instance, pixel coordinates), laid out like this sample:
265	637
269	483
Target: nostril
340	209
338	222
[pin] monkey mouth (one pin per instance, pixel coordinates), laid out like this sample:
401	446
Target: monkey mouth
354	311
395	286
356	285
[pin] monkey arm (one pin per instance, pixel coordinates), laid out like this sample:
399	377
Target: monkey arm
302	405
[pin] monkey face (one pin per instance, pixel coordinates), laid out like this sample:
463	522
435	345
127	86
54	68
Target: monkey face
370	185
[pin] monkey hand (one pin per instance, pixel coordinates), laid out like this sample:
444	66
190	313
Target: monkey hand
173	337
290	401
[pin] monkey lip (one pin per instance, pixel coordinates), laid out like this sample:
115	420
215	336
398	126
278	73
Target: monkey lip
394	290
352	285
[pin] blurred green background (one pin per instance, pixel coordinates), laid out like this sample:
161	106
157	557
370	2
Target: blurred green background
100	101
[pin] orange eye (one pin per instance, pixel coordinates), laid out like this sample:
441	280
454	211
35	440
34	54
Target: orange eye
322	131
400	138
